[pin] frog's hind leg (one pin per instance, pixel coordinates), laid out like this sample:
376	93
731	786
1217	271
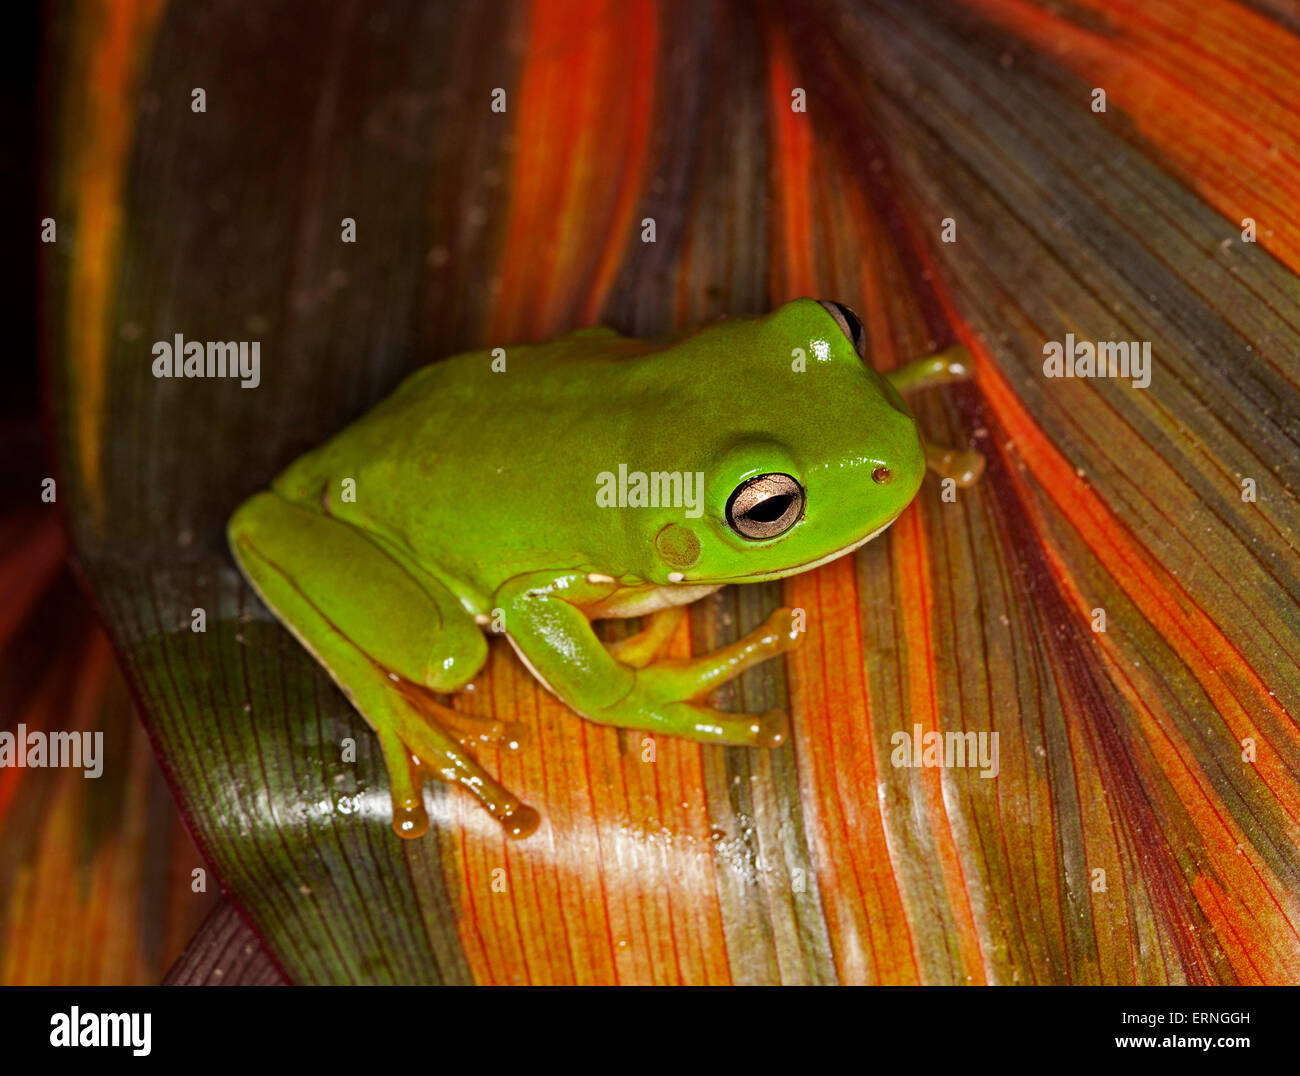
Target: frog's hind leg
466	728
963	466
371	624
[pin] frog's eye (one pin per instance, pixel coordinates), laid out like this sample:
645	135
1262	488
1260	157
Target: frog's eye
849	324
765	507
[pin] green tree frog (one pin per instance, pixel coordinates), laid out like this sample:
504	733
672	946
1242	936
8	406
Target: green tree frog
481	496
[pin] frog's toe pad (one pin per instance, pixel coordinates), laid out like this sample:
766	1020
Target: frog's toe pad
783	630
968	467
964	466
960	365
410	820
520	821
772	729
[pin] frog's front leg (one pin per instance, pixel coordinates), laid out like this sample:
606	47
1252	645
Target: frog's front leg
373	626
547	624
642	648
963	465
952	364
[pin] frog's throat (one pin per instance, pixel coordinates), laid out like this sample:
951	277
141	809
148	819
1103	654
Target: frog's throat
781	573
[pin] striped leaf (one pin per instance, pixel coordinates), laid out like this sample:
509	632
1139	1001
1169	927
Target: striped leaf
1142	824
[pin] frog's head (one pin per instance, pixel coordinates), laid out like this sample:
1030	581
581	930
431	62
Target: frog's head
806	451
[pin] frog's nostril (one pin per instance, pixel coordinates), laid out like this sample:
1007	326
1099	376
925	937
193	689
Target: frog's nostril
882	475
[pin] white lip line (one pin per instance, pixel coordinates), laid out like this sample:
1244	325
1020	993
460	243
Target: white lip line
807	567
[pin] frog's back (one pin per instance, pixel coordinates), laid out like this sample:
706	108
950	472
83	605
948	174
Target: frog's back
464	454
469	397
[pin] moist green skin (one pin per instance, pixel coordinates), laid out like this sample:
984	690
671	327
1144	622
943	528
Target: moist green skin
476	498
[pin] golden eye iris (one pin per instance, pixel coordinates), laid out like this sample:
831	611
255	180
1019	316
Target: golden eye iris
765	506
